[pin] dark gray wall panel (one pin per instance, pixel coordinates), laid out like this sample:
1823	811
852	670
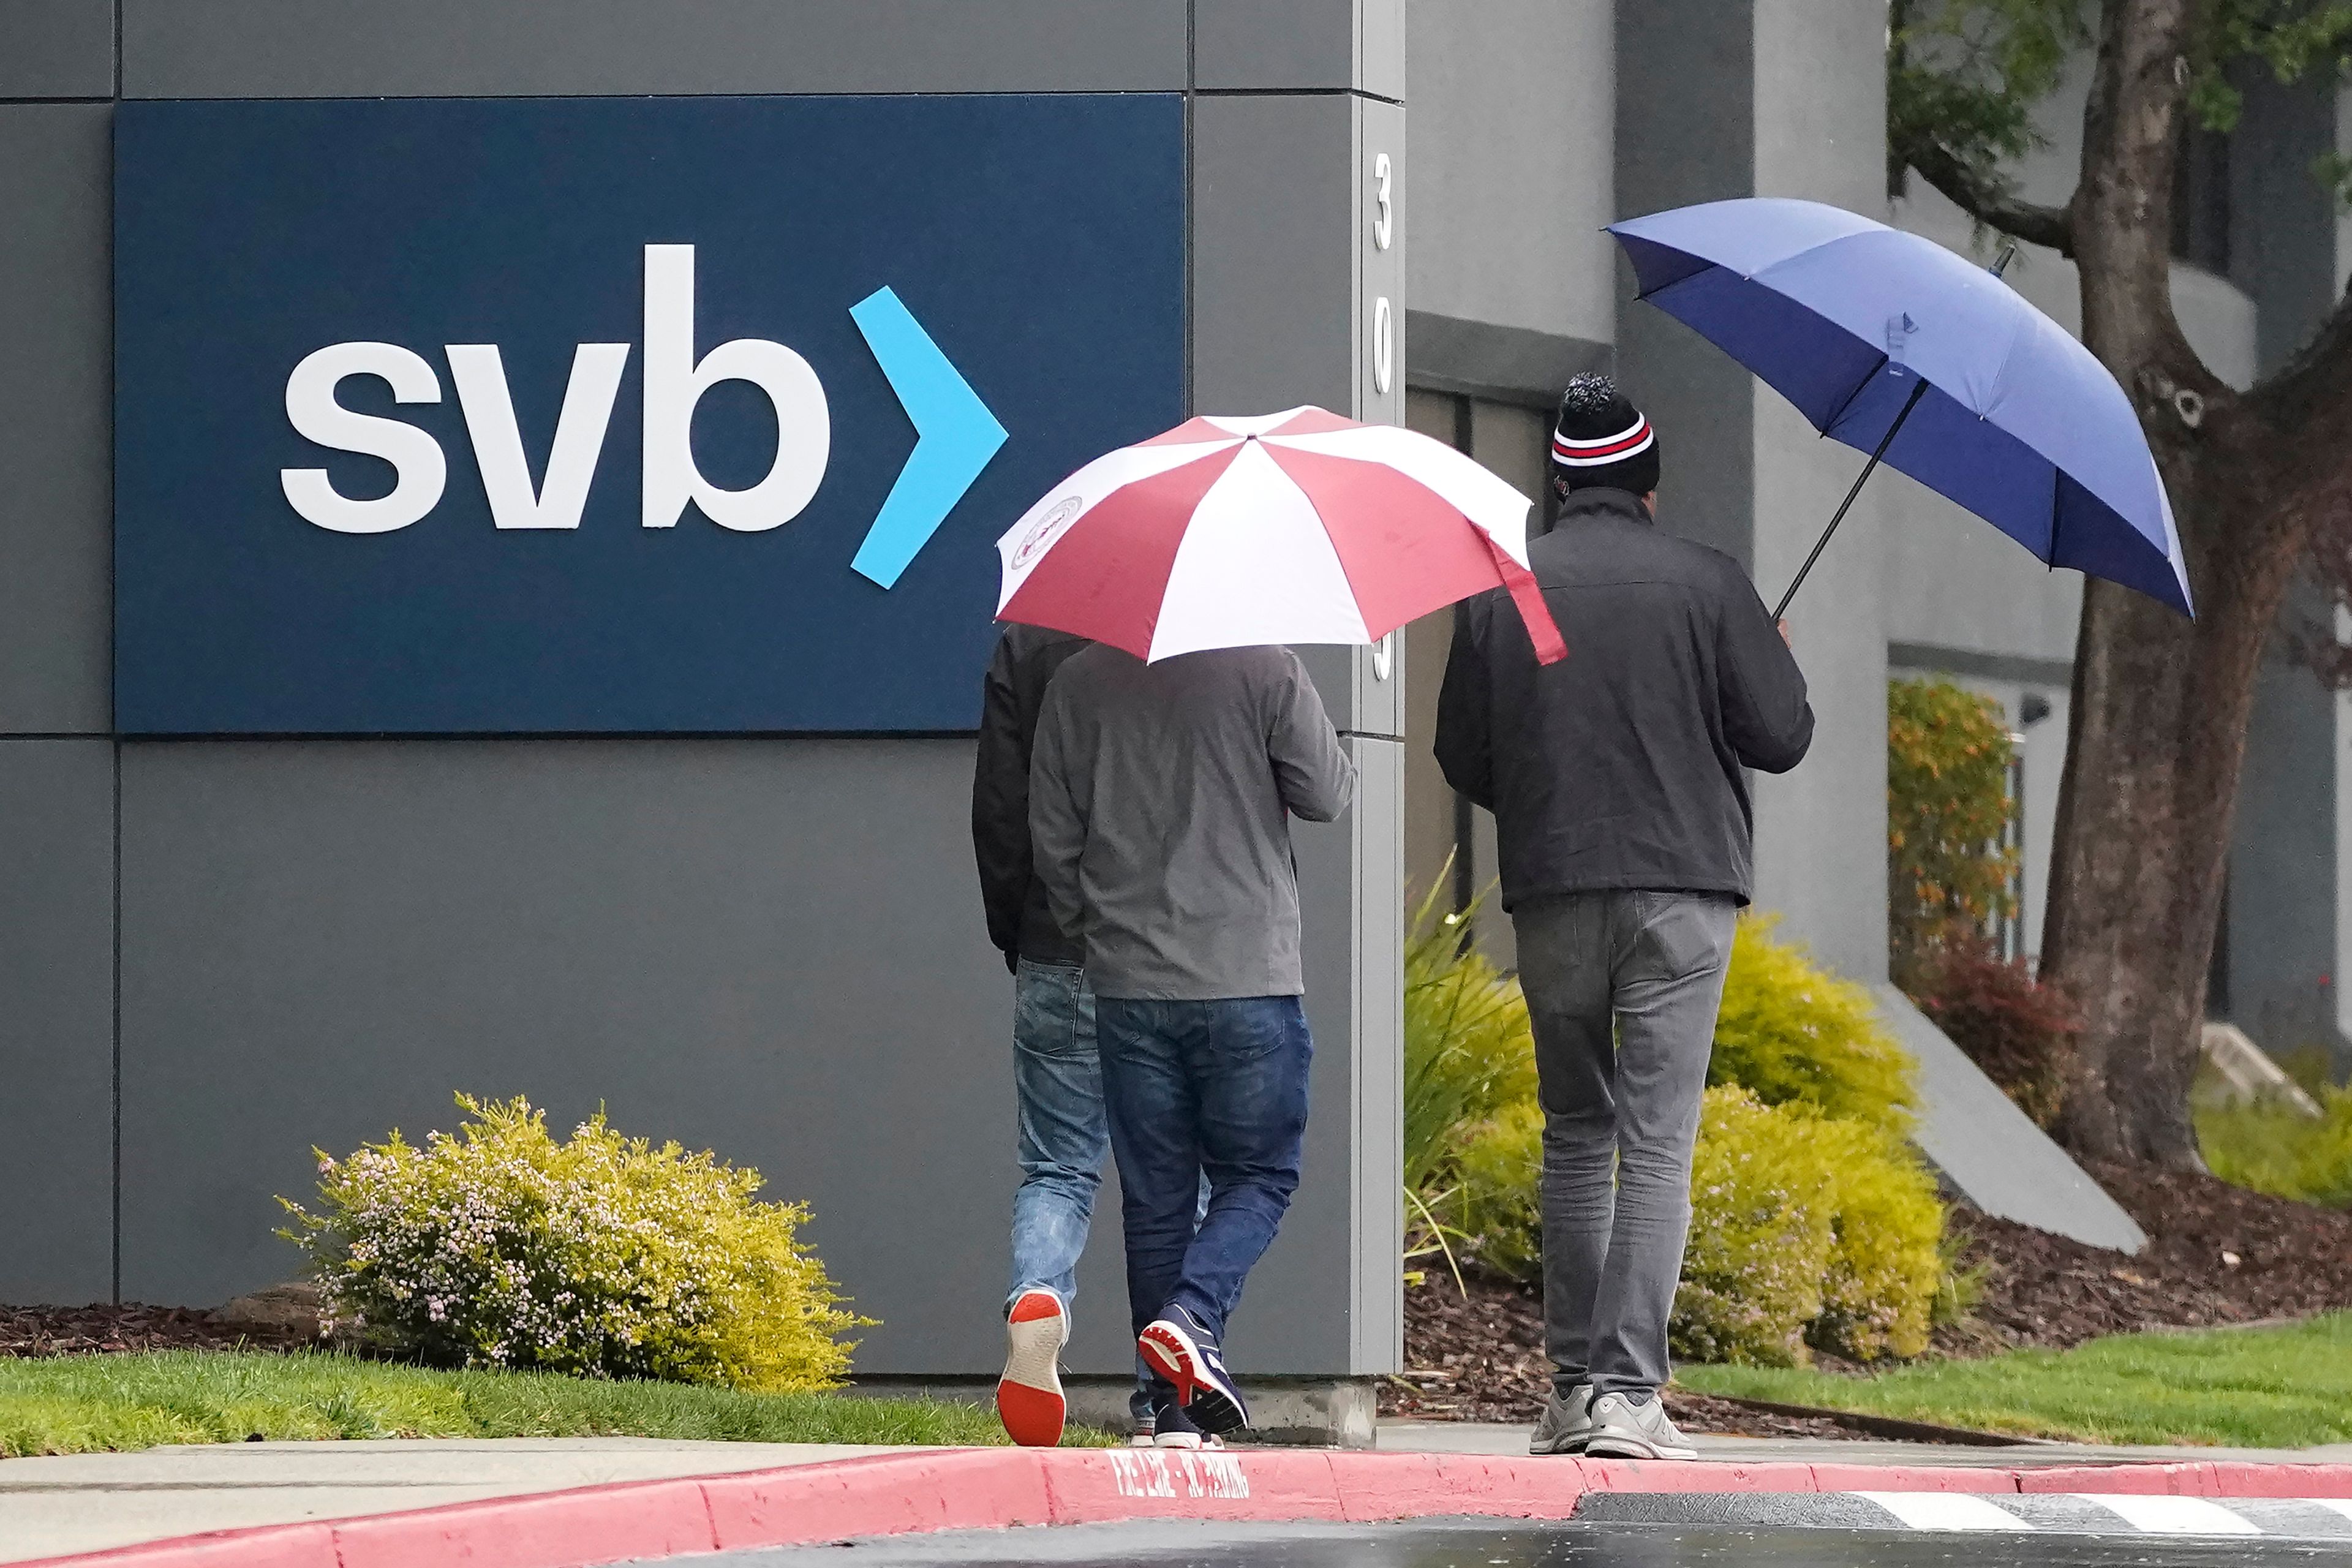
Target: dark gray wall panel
340	49
1687	132
1248	44
57	1012
773	949
57	48
1273	254
55	417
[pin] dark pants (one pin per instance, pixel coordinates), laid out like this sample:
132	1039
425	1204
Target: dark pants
1216	1088
1622	990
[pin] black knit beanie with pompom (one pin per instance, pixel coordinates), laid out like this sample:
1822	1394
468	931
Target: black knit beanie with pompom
1602	440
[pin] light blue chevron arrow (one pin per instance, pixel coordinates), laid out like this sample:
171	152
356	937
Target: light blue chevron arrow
955	435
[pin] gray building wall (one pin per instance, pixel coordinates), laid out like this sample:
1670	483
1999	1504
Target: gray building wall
769	947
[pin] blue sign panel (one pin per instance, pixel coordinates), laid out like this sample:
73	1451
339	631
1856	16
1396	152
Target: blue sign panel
613	415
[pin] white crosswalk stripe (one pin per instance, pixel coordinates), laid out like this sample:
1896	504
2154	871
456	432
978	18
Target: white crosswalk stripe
2171	1515
2334	1504
1946	1511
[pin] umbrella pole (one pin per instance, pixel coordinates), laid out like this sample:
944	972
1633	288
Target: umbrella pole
1918	390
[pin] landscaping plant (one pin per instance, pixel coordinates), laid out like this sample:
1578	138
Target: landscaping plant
1791	1031
2275	1148
2021	1032
1948	870
1814	1221
602	1257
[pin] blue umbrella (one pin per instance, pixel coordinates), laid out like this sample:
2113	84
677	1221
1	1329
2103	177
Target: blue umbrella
1897	347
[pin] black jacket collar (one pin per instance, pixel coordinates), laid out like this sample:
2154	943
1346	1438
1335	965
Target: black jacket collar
1601	501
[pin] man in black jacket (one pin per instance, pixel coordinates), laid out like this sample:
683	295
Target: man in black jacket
1057	1074
1624	830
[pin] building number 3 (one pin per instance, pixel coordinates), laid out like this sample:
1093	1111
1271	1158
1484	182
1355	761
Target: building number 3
1383	314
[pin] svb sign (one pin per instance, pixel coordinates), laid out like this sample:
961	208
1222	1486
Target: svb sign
384	464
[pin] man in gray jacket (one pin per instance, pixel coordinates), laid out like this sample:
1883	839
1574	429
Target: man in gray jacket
1623	827
1160	797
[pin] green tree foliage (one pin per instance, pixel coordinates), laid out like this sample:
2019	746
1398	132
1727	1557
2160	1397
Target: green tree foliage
1949	875
1964	77
600	1257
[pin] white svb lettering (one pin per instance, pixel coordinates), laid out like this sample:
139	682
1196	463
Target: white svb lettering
675	380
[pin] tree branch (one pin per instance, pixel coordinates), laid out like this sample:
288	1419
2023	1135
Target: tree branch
1987	199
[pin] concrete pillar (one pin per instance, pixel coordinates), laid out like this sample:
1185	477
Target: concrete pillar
1704	113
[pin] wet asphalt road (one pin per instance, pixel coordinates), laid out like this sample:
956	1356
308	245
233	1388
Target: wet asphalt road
1485	1545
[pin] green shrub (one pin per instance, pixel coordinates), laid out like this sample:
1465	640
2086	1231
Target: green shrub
1759	1236
1805	1229
1948	758
601	1256
1468	1052
2275	1149
1885	1264
1497	1176
1791	1031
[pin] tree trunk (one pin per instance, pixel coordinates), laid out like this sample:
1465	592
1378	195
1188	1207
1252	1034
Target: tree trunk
2156	731
2157	736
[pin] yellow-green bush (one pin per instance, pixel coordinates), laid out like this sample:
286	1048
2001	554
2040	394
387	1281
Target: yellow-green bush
1885	1264
1791	1031
1760	1238
1497	1173
2273	1149
601	1256
1804	1228
1467	1049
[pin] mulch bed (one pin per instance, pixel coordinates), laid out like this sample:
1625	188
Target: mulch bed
1481	1359
132	1326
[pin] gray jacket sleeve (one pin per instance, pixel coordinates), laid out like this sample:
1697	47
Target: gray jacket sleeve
1057	822
1765	715
1311	768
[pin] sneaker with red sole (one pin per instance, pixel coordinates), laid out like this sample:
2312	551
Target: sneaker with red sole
1179	1348
1029	1396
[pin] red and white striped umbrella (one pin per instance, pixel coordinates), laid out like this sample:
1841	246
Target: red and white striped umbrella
1298	527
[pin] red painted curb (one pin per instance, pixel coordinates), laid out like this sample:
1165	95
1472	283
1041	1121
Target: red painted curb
895	1494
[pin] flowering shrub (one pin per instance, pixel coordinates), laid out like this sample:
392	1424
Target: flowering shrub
1805	1229
601	1256
1759	1236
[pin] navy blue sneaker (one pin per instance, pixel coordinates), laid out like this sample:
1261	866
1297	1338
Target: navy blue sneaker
1173	1428
1178	1348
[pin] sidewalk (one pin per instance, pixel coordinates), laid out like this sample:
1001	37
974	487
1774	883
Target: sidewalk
471	1500
88	1502
1476	1438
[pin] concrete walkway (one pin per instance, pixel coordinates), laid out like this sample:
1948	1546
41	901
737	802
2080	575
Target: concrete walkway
1476	1437
86	1502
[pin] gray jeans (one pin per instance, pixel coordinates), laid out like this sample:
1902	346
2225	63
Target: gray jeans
1619	1102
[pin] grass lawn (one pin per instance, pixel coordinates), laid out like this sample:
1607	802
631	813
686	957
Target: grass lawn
82	1403
2261	1388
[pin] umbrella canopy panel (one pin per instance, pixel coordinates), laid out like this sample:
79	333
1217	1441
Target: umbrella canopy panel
2021	424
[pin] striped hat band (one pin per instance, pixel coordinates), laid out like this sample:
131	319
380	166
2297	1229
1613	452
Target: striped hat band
1635	437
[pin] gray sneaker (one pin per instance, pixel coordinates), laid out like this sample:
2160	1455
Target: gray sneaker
1567	1423
1622	1429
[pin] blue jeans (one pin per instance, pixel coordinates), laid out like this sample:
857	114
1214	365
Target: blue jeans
1057	1079
1216	1088
1059	1086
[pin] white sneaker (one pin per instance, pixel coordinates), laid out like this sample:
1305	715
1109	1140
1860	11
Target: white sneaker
1567	1424
1029	1399
1624	1430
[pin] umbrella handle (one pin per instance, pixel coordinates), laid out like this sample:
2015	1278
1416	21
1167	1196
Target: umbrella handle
1919	390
